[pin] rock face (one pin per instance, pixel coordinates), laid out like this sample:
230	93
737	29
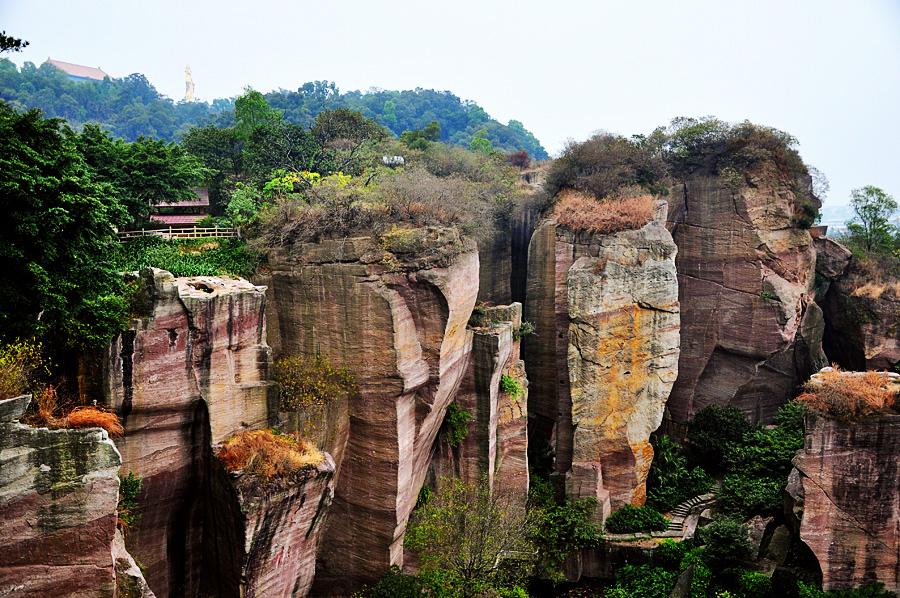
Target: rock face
605	353
278	529
861	304
750	328
58	496
394	312
496	445
191	372
845	488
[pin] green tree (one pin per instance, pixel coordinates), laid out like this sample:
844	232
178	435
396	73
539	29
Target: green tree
471	533
871	230
251	111
141	173
56	238
713	431
11	44
219	149
725	542
480	143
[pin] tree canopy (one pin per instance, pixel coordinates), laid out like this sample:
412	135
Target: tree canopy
871	230
131	107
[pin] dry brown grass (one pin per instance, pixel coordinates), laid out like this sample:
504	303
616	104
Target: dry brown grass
93	417
580	212
47	401
876	289
268	455
850	395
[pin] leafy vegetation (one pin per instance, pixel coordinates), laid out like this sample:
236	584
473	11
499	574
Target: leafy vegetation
130	107
725	542
869	590
870	230
671	481
630	519
456	424
268	455
20	362
713	431
129	490
308	381
470	535
56	239
511	386
188	257
642	581
524	329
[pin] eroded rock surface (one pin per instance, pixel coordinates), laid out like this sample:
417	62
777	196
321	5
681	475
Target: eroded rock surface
750	328
58	497
187	374
496	445
846	492
394	312
605	352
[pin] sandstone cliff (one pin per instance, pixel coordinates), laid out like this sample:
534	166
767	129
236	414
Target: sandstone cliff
58	495
496	443
187	374
750	328
394	312
861	304
605	353
845	491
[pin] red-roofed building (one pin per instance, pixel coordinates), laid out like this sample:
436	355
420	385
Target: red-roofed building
78	72
183	213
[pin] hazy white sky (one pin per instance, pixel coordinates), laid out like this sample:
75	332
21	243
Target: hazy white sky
826	71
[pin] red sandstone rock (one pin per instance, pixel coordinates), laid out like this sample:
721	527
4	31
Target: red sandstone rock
58	496
605	353
751	331
846	492
394	312
190	373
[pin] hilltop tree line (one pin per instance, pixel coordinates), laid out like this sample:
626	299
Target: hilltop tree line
130	107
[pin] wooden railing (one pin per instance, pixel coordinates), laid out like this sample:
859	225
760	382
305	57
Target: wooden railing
188	232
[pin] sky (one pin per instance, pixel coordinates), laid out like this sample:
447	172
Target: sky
827	72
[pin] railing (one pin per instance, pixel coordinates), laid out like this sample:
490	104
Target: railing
188	232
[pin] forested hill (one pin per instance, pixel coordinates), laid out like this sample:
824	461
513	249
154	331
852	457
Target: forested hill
130	107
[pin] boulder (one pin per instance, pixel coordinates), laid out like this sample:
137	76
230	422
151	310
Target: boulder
746	270
844	491
392	310
605	353
190	371
58	496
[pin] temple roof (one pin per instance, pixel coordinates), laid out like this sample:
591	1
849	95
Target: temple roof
78	70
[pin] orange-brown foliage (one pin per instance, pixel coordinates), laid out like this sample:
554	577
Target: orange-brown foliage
266	454
849	395
580	212
92	417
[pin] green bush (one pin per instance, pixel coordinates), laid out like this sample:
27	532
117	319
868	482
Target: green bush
726	542
869	590
745	495
753	584
671	481
526	328
712	433
669	553
189	257
129	488
630	519
456	424
511	386
311	381
642	581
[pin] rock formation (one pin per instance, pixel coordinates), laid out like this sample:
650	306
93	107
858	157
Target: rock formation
605	352
187	374
496	443
845	491
750	328
393	311
58	495
861	304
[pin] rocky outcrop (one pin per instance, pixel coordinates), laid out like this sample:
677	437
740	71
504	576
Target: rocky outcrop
274	529
394	311
605	352
495	446
861	305
58	496
188	373
750	328
845	492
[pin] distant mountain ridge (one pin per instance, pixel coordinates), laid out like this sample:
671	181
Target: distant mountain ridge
130	107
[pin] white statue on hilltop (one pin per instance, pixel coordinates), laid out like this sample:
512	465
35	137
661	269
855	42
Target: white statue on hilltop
188	85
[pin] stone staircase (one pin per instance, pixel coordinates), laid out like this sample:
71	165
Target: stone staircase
680	513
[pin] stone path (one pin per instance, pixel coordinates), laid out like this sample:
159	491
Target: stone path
682	523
